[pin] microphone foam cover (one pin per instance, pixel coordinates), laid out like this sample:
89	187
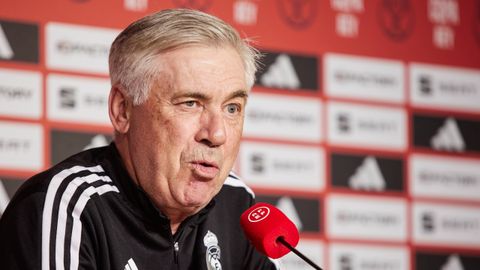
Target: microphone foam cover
263	224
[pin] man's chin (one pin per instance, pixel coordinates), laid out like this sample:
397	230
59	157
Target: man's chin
198	199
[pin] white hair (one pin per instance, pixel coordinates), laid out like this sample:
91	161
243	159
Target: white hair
132	55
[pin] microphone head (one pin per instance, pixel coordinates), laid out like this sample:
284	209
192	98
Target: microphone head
263	224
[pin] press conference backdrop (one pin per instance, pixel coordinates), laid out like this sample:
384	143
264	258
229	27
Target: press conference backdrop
363	126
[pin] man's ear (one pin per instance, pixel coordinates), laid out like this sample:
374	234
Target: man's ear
119	109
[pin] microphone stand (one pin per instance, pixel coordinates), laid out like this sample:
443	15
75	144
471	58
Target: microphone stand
299	254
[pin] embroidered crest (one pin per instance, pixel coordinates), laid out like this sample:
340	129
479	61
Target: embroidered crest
212	255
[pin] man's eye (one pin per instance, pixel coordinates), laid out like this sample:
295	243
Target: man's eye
232	108
190	103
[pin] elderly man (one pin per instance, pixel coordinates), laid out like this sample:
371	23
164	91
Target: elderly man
162	195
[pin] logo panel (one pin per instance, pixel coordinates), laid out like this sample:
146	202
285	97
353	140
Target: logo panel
68	143
445	261
20	93
364	78
442	177
78	99
446	225
354	256
78	48
284	118
288	71
443	87
366	218
369	126
282	166
366	173
303	212
21	146
446	134
19	42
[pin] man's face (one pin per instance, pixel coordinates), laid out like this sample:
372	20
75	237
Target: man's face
184	139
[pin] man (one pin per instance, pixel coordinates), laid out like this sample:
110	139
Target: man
162	195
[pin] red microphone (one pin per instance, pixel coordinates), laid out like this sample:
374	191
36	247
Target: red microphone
263	224
271	231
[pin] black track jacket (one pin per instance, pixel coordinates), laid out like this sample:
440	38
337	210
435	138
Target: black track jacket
87	213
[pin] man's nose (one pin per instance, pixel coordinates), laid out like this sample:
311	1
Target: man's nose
212	128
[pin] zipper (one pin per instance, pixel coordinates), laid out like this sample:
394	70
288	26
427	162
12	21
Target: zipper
176	248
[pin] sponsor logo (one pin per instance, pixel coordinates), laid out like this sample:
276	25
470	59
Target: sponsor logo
443	14
66	47
135	5
68	143
370	173
257	161
368	176
298	13
13	39
344	123
364	78
443	37
97	141
428	222
347	25
281	74
445	87
202	5
6	51
396	19
258	214
453	263
213	253
446	224
304	213
369	126
271	165
366	218
245	12
448	137
363	257
67	98
21	146
346	20
446	133
425	85
78	99
442	177
345	262
20	93
78	48
281	117
285	204
445	261
130	265
288	71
